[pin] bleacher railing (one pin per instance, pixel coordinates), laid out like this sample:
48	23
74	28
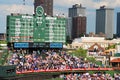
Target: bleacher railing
63	70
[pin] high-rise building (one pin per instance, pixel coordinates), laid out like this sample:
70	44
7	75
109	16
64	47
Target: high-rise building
118	24
77	10
78	22
79	26
69	27
105	21
46	4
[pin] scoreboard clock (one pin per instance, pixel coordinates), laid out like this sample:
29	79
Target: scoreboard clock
39	11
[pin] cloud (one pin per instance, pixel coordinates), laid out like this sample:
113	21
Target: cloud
59	11
7	9
88	3
60	7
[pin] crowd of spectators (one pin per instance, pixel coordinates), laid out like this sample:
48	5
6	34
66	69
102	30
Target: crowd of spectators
87	76
51	59
47	60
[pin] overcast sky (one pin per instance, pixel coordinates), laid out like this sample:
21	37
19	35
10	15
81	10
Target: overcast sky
60	7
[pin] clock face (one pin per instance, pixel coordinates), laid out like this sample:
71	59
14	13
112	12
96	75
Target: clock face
39	11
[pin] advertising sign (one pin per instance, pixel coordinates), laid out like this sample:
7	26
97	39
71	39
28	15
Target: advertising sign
56	45
39	45
21	45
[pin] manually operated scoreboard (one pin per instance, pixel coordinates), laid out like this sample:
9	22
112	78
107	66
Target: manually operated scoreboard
38	30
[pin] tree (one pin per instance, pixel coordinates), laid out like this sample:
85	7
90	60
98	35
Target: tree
68	40
80	53
111	46
3	42
91	59
114	35
81	35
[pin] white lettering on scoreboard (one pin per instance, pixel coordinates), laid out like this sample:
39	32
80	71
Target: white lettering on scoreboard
17	28
27	17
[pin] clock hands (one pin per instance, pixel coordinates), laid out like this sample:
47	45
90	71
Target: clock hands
39	11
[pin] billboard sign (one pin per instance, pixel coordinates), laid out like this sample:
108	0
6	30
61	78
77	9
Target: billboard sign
56	45
21	45
39	45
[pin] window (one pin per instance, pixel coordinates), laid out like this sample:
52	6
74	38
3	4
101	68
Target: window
36	24
30	24
23	24
47	25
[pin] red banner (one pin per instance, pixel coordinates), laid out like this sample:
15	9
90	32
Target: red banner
63	70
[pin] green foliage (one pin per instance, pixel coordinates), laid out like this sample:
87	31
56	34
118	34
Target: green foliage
2	61
106	72
111	46
109	38
80	53
118	43
83	53
3	57
1	48
91	59
81	35
114	36
68	40
91	72
112	72
3	42
99	63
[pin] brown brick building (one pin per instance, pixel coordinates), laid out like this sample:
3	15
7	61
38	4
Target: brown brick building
79	26
46	4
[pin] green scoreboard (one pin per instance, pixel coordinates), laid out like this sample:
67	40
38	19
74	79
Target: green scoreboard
36	28
20	28
49	29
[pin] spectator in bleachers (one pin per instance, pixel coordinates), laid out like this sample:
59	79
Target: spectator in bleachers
50	60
